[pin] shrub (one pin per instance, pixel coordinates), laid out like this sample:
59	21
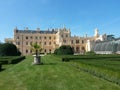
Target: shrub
90	53
65	59
8	49
64	50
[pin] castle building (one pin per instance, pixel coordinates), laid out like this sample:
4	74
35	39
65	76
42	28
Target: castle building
50	40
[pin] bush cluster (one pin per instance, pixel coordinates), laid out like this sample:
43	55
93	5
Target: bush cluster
8	49
64	50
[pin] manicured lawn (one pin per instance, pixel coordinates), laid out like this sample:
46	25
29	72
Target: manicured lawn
53	75
103	66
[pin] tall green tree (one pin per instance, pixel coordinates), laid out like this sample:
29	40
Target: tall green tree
8	49
64	50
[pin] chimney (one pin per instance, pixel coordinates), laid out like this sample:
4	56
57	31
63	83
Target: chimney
26	29
38	29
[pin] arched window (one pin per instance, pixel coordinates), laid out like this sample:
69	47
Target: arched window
77	41
77	49
44	37
26	51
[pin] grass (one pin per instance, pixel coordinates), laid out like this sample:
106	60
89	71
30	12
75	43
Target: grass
104	66
53	75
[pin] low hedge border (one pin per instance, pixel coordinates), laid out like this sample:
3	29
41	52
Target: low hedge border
97	74
4	61
12	60
0	66
65	59
17	60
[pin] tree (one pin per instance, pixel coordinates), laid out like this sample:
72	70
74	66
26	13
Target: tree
36	49
8	49
64	50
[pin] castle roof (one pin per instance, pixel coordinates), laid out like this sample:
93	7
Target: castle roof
36	31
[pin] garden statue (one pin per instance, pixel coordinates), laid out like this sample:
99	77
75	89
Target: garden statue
36	49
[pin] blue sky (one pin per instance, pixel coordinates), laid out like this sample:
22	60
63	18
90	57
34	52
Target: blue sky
81	16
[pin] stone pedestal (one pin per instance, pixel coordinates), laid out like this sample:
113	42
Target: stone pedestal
37	59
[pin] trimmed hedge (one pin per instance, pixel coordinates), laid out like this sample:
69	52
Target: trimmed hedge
98	74
11	60
0	66
8	49
102	66
65	59
64	50
16	60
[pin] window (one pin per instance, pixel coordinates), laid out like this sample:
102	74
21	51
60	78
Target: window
49	50
77	41
30	51
44	43
39	37
26	37
49	37
71	41
82	41
31	37
66	35
83	48
45	50
26	51
44	37
49	43
64	41
77	49
30	43
17	43
36	37
17	37
26	43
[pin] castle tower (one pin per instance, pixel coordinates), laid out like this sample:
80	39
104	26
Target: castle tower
96	33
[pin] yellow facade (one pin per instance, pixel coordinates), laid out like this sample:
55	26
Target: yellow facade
49	40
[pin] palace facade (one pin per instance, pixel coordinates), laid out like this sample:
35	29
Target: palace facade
51	40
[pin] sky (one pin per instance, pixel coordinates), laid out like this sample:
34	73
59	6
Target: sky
81	16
